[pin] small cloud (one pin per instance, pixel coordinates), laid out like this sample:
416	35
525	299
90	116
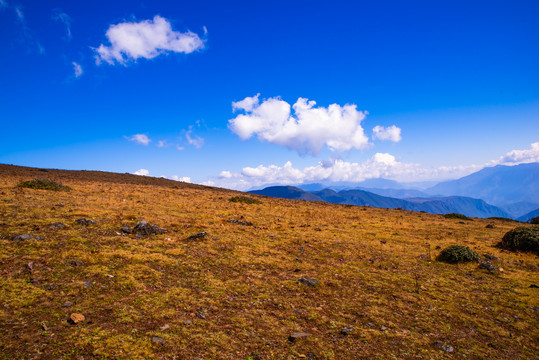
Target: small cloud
141	139
162	143
302	127
208	183
142	172
145	39
516	157
77	69
391	133
19	13
194	140
180	148
59	15
182	179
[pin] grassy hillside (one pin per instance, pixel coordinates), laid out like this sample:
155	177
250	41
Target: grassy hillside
233	292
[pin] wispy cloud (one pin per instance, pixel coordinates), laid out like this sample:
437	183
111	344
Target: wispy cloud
77	69
302	127
26	32
59	15
145	39
141	139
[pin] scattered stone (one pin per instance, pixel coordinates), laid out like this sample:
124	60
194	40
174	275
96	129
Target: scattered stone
87	284
77	263
490	257
25	237
299	335
532	308
444	347
347	330
157	340
240	222
67	304
201	314
30	266
501	269
485	264
307	281
49	287
76	318
197	236
423	257
59	204
126	230
383	328
187	322
145	229
533	268
85	222
165	327
57	226
489	226
44	327
533	286
370	324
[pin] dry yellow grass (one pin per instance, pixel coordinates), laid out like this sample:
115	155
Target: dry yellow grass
234	294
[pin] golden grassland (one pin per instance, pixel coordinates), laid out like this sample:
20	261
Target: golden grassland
234	294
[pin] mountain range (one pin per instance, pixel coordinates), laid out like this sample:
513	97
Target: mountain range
499	191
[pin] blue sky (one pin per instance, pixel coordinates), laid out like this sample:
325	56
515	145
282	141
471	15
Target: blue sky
206	90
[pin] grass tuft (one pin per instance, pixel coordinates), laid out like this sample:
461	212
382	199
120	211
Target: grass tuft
244	200
43	184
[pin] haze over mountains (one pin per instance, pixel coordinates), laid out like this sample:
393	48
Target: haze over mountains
499	191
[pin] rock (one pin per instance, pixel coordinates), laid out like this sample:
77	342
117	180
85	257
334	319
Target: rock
57	226
485	264
490	257
299	335
444	347
87	284
165	327
85	222
67	304
500	269
145	229
347	330
59	204
76	318
25	237
44	327
77	263
126	230
30	266
197	236
490	226
307	281
423	257
370	324
240	222
383	328
156	340
187	322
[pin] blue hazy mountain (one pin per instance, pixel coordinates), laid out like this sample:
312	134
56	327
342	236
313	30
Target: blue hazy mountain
439	205
530	215
521	208
499	185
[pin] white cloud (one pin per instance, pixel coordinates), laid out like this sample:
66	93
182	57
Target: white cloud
19	13
77	69
228	175
145	39
142	172
307	130
391	133
516	157
194	140
162	143
180	148
183	178
58	15
141	139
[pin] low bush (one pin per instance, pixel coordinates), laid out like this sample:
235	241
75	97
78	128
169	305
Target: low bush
244	199
43	184
521	239
455	254
534	220
456	216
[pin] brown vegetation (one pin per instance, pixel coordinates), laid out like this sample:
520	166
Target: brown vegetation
76	291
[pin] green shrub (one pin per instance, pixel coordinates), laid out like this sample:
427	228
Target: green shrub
521	239
534	220
457	254
456	216
502	219
43	184
244	199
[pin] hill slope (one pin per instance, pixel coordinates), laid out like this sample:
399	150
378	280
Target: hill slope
222	282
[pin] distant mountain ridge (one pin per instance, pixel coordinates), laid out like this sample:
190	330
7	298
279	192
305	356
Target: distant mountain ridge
440	205
499	185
